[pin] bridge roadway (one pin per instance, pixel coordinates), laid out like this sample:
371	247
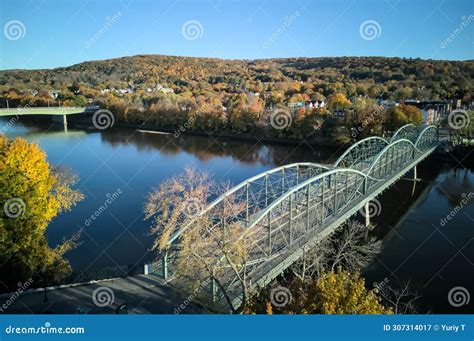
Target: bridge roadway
42	111
59	114
287	210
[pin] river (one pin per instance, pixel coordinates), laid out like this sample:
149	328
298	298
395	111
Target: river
124	165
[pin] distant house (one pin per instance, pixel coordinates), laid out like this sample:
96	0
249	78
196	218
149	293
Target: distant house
315	104
167	90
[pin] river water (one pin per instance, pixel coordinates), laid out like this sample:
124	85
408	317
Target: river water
124	165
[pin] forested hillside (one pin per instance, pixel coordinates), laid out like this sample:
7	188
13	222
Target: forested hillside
239	95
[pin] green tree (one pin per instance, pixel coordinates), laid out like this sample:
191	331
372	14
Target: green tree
394	118
80	101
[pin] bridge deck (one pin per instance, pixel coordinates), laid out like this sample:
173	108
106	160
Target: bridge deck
25	111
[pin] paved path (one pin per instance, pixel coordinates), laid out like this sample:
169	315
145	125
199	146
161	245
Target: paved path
143	294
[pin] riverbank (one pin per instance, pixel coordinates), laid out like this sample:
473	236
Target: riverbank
226	134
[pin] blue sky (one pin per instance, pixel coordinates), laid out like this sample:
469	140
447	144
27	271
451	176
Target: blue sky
47	33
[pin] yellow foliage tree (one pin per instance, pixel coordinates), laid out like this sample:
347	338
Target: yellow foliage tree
344	293
32	193
334	292
338	101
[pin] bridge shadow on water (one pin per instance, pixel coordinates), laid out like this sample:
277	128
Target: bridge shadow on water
420	245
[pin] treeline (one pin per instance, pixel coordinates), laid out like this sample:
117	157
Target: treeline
240	96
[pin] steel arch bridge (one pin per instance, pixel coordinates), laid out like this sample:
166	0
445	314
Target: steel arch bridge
287	210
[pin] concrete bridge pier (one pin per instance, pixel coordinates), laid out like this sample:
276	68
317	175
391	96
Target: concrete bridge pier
61	119
367	215
65	123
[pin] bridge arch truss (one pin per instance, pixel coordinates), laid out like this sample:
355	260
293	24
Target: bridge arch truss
282	209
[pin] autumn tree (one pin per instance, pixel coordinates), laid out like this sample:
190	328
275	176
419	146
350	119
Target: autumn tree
334	292
342	292
338	101
213	246
413	114
348	247
32	193
395	117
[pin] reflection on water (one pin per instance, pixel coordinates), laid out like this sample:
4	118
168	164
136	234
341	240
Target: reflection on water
117	242
418	249
420	245
207	148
